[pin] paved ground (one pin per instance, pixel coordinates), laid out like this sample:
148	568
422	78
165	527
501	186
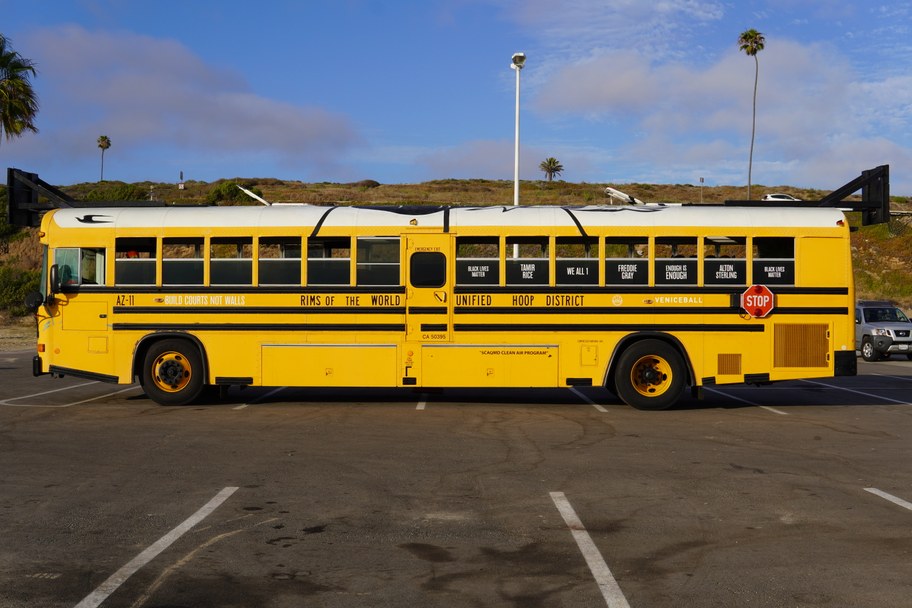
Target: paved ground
796	494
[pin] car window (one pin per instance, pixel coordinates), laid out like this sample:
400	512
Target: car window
885	315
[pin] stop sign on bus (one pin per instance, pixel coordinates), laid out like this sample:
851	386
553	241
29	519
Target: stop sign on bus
757	301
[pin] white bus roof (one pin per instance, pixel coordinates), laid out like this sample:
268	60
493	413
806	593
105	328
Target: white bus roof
309	216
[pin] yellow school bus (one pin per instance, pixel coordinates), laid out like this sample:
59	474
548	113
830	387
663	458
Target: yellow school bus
644	300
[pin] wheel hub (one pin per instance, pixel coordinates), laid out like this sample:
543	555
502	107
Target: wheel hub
651	376
172	372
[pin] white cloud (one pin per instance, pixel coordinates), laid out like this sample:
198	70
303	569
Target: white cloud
471	159
585	26
811	106
145	92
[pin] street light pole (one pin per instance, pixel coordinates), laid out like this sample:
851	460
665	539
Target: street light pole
519	59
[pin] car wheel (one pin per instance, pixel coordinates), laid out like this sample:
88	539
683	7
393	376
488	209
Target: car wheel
868	352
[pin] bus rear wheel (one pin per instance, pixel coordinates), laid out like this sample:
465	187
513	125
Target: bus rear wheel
650	375
172	372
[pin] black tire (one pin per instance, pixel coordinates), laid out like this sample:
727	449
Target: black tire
909	356
868	352
650	375
172	372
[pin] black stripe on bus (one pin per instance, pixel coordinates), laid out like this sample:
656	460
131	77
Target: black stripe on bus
482	327
464	310
78	373
639	310
694	290
592	310
434	327
239	289
319	223
576	221
258	327
427	310
583	327
234	380
258	310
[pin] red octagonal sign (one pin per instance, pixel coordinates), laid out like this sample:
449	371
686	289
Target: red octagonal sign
757	300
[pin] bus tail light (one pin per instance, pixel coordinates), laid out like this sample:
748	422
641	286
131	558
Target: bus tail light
40	348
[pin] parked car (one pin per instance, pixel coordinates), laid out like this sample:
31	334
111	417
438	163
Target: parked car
782	198
881	330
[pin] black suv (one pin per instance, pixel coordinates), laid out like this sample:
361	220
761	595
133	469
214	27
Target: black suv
881	330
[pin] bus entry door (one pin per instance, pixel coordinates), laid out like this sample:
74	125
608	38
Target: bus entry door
429	307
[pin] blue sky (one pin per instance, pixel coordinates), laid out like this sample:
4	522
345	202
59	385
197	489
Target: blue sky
619	91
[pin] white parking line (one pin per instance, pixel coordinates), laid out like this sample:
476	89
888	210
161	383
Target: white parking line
906	378
258	399
94	599
56	390
579	394
7	403
612	593
851	390
896	501
422	404
765	407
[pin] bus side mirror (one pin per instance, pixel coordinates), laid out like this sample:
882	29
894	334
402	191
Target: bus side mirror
33	301
55	280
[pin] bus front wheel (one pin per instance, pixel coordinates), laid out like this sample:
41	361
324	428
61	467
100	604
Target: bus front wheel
172	372
650	375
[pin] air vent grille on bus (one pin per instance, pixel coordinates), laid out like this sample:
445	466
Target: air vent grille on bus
729	364
801	345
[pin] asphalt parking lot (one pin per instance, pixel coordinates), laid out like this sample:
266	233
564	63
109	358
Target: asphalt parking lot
795	494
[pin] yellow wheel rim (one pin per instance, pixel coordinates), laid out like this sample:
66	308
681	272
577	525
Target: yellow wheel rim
171	372
651	375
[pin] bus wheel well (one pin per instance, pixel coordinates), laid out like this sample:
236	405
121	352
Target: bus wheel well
632	339
142	348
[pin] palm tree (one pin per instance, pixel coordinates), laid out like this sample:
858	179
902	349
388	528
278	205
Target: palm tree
18	102
104	142
551	166
751	42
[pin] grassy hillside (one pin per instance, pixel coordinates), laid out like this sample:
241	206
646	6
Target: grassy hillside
882	254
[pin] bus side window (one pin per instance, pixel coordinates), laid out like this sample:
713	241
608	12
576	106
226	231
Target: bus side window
626	261
182	261
576	261
279	260
378	261
531	266
134	261
477	261
80	266
774	260
67	260
427	269
676	261
92	266
231	261
724	260
329	261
